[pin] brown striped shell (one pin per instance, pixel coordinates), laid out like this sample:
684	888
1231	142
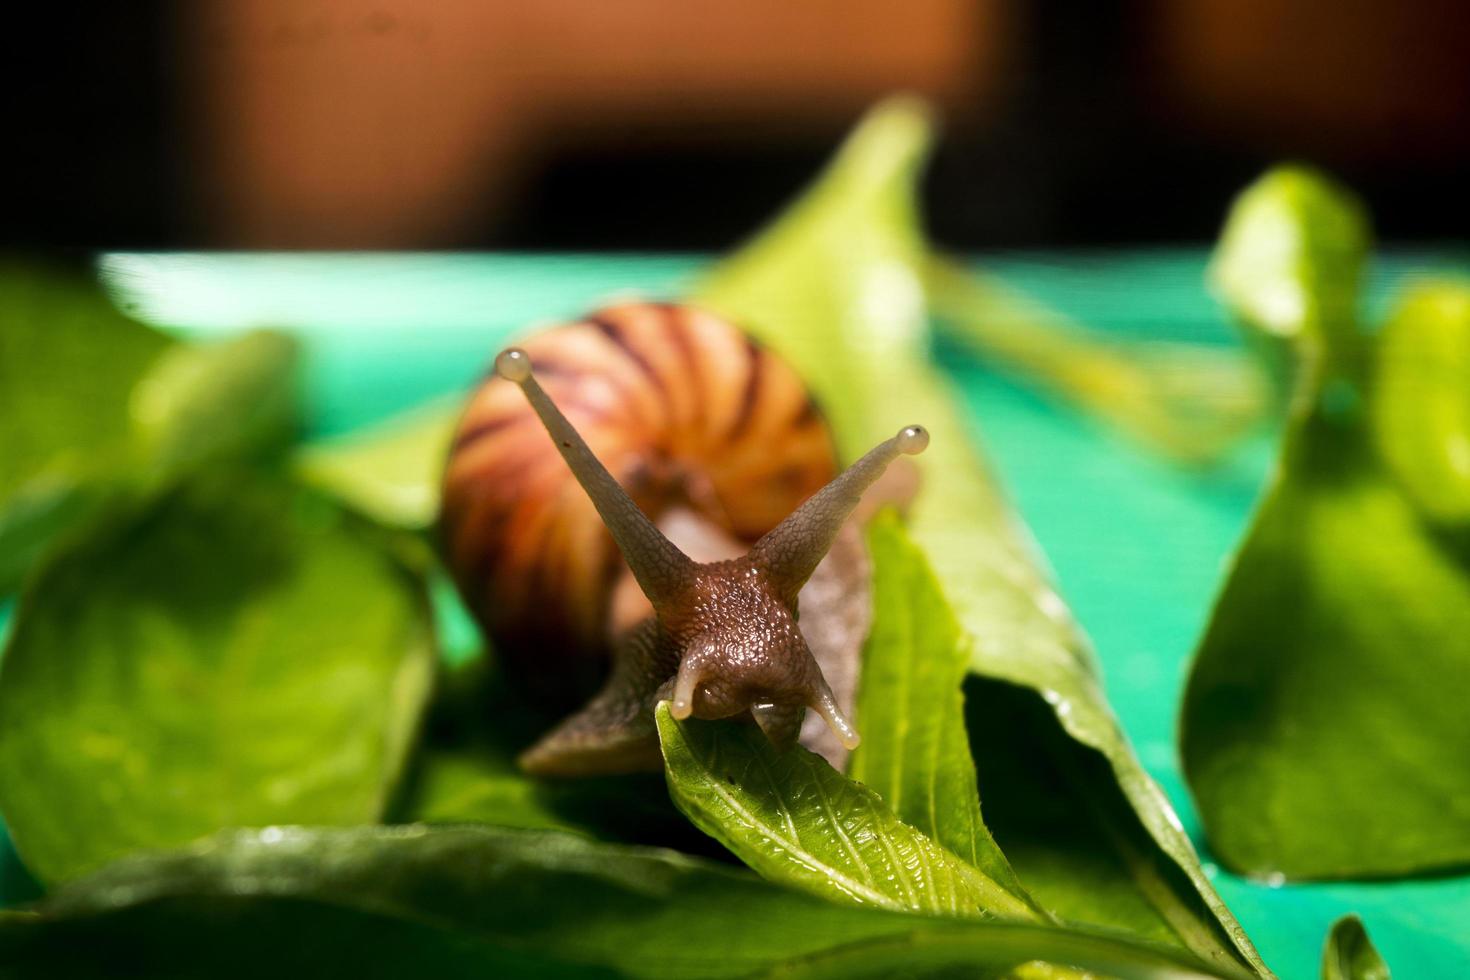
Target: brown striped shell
681	406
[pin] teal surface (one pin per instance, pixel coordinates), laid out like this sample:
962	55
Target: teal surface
1137	545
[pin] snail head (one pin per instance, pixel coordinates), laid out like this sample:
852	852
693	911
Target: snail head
732	625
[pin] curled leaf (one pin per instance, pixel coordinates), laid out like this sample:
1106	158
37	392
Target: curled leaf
1350	955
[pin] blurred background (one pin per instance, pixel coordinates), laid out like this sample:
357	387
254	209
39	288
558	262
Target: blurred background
656	125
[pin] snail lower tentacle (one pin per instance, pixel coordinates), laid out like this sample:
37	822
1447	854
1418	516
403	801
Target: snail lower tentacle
722	639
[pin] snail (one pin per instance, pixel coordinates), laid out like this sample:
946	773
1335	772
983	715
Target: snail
649	495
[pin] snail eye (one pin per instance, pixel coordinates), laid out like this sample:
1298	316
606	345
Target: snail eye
913	439
513	364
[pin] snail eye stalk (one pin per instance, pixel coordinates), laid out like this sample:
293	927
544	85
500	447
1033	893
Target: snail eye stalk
662	570
791	550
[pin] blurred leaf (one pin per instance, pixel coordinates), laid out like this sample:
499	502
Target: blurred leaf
1350	954
68	362
1421	398
1290	264
799	822
392	470
477	901
94	404
1323	727
1291	256
238	653
915	753
202	403
34	519
476	786
1189	401
835	285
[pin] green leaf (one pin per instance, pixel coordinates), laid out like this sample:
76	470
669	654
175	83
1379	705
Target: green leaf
203	403
797	821
95	406
915	753
237	653
931	953
1291	257
391	471
1349	954
68	362
1335	657
1338	648
836	286
1421	398
1191	402
478	901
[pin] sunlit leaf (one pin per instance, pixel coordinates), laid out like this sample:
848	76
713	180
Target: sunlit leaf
391	471
799	822
1421	398
915	753
1291	257
1323	727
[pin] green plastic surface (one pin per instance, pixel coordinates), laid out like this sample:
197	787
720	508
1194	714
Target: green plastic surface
1136	544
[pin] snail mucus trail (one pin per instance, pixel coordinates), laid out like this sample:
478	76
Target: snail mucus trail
723	639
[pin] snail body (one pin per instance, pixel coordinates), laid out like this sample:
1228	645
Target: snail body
665	534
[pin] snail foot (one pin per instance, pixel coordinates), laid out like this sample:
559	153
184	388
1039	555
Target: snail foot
582	746
615	733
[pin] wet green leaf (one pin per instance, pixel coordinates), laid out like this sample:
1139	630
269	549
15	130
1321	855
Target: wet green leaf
1350	955
1323	727
915	753
799	822
479	901
236	653
836	285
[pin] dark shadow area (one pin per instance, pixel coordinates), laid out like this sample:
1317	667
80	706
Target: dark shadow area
16	882
1056	810
475	729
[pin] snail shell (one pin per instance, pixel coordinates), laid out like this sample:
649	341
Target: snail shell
683	409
